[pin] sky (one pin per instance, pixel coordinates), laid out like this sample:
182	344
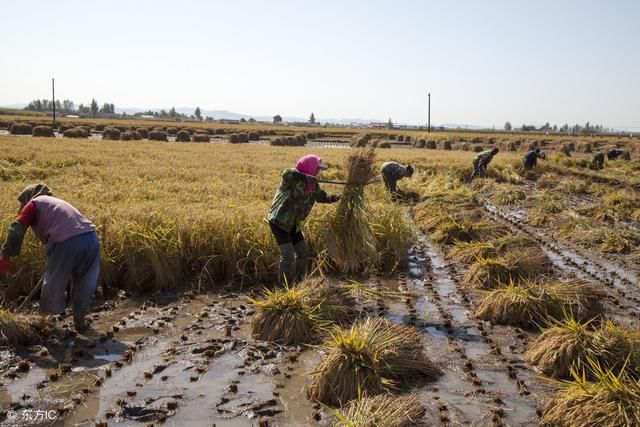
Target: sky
484	62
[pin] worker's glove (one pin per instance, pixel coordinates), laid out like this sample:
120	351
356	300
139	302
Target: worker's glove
334	198
5	263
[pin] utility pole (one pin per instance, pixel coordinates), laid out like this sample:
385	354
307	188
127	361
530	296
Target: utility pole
53	91
429	113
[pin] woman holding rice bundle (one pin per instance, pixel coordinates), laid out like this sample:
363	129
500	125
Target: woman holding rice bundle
73	250
296	195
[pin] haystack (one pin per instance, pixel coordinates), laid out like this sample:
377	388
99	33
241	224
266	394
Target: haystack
157	135
351	245
111	133
43	131
370	358
20	129
183	136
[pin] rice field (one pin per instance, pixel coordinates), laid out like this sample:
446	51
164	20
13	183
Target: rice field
510	301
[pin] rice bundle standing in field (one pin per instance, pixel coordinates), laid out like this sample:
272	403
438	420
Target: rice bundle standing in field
382	411
515	265
368	359
294	315
351	243
609	400
45	131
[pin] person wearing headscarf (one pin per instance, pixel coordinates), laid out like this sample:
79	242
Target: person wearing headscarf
298	192
480	163
72	250
530	159
392	172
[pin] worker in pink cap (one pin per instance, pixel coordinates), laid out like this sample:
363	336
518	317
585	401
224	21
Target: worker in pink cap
296	195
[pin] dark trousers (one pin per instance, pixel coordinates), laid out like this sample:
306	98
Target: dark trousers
294	254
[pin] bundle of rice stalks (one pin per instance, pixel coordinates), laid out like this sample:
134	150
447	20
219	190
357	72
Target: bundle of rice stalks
254	136
157	135
144	132
384	144
566	344
523	305
234	138
508	195
111	133
284	316
44	131
351	245
467	252
515	265
183	136
548	180
172	131
610	400
368	359
298	314
23	329
382	411
531	304
21	129
451	229
431	144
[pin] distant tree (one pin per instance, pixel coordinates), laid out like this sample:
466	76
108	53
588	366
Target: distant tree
507	126
198	113
277	119
312	119
252	120
389	124
243	120
564	128
555	128
94	108
172	113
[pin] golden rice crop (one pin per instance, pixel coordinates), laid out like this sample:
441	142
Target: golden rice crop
370	358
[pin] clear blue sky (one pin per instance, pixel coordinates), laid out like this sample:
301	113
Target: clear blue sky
484	62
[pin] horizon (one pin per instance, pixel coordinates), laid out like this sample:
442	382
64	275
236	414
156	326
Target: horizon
529	64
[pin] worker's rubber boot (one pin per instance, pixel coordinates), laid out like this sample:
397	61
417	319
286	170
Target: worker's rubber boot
302	260
80	322
287	264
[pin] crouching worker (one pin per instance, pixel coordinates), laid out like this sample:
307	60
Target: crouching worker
298	192
530	159
72	248
392	172
598	161
480	163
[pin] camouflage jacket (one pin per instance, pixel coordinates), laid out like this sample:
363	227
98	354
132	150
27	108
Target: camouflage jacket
483	158
393	170
292	203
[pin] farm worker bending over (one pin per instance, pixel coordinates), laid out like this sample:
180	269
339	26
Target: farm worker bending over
530	160
298	192
73	250
598	160
615	153
392	172
480	163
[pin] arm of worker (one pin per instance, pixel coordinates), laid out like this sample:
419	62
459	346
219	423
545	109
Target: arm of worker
322	197
15	235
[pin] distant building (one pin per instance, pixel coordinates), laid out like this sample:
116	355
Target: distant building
146	116
72	116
